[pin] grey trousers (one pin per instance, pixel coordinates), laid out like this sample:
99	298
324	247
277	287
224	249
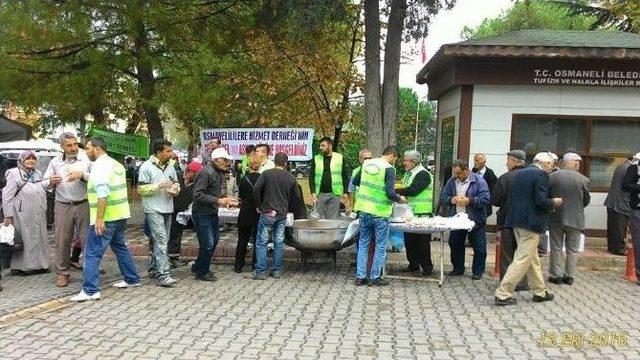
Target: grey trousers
70	220
634	222
570	238
328	206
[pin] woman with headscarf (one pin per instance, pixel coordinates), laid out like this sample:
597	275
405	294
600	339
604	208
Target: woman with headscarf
24	203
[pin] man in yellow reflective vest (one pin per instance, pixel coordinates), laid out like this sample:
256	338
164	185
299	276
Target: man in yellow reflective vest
374	201
108	214
328	181
418	188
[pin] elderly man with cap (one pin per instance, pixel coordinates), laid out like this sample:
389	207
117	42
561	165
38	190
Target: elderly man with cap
528	215
208	195
500	197
418	189
181	202
567	222
618	209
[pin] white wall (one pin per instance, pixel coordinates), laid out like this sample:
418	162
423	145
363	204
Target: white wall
494	105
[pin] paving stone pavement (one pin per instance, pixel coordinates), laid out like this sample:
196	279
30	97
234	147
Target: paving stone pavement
319	315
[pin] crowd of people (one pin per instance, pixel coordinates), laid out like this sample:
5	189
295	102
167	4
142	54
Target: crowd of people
92	208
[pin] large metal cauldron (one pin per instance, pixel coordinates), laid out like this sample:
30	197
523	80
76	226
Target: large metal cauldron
318	234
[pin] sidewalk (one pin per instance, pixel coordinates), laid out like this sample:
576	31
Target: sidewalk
25	291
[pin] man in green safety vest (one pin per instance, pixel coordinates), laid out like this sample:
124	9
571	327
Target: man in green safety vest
374	201
328	180
108	214
418	188
363	155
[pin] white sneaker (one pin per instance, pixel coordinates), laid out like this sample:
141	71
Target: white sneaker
82	296
124	285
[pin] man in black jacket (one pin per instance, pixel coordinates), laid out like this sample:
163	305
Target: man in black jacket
528	215
248	216
272	193
500	197
208	195
631	184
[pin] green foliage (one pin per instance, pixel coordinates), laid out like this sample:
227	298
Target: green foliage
534	14
210	64
623	15
354	137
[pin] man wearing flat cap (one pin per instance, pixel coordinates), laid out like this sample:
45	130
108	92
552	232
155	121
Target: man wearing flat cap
500	197
528	215
567	221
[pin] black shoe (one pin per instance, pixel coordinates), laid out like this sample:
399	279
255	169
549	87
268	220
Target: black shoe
236	270
207	277
427	272
360	282
379	282
522	288
455	273
476	277
547	297
409	269
555	280
505	302
567	280
618	252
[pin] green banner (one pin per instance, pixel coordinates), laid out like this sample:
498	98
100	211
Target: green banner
125	144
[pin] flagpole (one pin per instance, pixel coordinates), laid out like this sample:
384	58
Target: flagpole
415	143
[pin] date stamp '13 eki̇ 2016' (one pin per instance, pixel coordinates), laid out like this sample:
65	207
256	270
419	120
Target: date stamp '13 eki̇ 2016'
578	339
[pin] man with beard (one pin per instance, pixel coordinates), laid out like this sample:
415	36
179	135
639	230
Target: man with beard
328	180
68	175
158	184
108	214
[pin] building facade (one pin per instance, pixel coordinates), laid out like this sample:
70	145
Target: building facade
539	90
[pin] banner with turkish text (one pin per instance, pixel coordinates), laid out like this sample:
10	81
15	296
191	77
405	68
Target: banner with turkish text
295	142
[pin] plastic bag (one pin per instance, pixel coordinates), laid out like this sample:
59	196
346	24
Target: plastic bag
7	233
314	212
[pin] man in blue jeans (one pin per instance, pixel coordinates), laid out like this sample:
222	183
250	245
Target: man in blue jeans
374	202
467	192
272	193
108	214
208	194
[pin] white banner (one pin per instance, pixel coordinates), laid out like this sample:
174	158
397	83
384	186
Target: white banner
295	142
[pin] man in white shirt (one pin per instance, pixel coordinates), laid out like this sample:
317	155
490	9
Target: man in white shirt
68	175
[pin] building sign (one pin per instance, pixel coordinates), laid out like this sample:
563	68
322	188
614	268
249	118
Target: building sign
585	77
124	144
295	142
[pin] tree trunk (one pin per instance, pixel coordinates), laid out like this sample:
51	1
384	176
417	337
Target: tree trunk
99	119
372	94
390	85
145	77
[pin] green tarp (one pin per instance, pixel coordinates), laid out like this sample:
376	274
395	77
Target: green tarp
124	144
